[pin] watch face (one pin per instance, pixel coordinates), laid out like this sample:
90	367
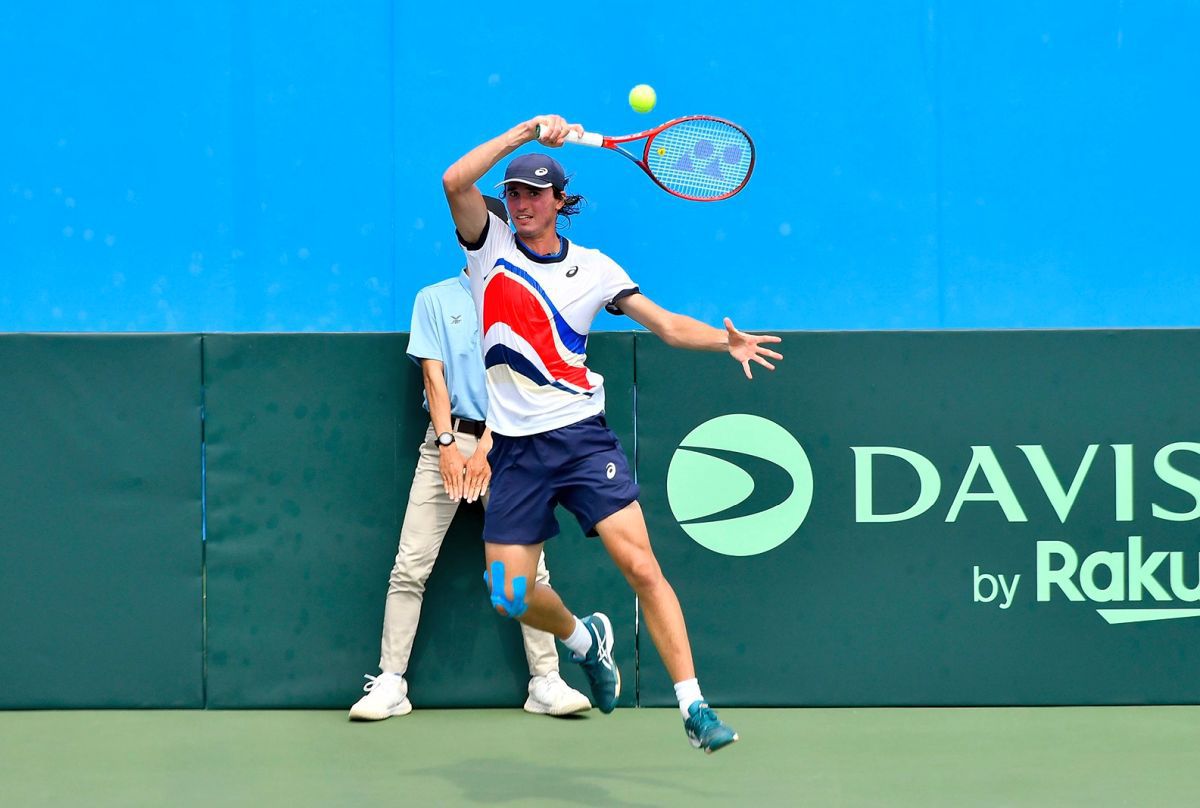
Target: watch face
445	439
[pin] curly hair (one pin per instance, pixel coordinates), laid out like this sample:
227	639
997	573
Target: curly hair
571	202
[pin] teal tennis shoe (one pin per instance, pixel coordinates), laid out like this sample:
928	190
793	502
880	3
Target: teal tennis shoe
602	672
705	730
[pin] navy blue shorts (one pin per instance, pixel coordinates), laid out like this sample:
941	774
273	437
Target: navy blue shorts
580	466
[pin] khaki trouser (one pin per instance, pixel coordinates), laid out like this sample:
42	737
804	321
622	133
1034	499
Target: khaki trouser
426	521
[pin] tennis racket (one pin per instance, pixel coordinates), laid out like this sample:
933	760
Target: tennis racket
698	157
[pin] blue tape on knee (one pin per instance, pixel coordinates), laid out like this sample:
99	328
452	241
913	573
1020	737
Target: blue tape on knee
515	607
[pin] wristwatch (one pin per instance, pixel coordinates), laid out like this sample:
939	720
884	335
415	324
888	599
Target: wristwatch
444	439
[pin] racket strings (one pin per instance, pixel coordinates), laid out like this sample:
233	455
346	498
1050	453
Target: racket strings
701	159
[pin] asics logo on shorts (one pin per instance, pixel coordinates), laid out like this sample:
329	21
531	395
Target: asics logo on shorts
610	470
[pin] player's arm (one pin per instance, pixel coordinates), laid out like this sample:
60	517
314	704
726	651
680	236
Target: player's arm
681	331
451	461
466	203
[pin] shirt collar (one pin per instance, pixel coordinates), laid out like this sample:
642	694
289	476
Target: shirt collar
465	280
553	258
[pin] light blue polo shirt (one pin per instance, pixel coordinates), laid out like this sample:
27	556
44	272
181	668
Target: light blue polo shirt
445	327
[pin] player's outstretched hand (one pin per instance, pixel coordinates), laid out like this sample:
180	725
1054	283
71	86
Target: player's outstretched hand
747	348
552	130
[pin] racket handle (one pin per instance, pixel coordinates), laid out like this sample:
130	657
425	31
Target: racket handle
586	139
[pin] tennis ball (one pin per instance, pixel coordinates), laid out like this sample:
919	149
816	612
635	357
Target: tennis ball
642	98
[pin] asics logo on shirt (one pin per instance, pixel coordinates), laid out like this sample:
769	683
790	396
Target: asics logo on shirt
572	272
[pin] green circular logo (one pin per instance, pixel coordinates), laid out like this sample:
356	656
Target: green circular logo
739	485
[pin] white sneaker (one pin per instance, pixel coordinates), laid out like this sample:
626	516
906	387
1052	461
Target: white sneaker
387	695
550	695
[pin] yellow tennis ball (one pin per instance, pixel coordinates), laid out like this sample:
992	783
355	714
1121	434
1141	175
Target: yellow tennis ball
661	151
642	98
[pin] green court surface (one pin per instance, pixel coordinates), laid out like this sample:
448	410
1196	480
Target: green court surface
1135	756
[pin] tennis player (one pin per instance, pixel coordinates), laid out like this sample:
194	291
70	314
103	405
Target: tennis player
537	295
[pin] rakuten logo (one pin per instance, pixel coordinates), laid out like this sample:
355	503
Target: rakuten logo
1119	577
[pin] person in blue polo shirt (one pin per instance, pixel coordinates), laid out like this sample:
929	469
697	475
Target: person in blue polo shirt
452	468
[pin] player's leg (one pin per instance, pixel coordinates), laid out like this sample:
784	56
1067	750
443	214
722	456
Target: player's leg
540	652
548	693
519	518
628	543
426	520
515	592
540	607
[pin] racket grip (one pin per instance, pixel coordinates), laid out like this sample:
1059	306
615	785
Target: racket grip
586	139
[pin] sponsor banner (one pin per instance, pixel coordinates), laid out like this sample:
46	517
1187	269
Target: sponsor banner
930	518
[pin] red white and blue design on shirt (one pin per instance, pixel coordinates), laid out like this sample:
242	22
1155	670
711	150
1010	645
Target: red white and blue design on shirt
535	312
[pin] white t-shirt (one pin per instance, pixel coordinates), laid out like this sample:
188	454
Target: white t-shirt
535	312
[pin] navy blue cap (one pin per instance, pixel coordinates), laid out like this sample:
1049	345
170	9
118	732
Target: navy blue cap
538	170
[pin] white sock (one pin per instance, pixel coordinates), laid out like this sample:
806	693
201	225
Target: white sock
688	693
580	641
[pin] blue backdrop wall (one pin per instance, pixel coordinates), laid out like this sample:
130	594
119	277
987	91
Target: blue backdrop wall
275	166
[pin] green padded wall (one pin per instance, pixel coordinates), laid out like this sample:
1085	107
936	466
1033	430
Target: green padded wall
311	444
940	466
302	432
897	598
100	553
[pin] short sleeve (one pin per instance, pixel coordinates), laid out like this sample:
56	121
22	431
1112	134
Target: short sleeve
615	284
611	306
425	335
482	254
478	244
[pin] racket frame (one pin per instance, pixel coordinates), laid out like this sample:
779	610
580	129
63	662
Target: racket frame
597	140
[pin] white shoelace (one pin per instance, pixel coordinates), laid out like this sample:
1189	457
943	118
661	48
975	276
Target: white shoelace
376	681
